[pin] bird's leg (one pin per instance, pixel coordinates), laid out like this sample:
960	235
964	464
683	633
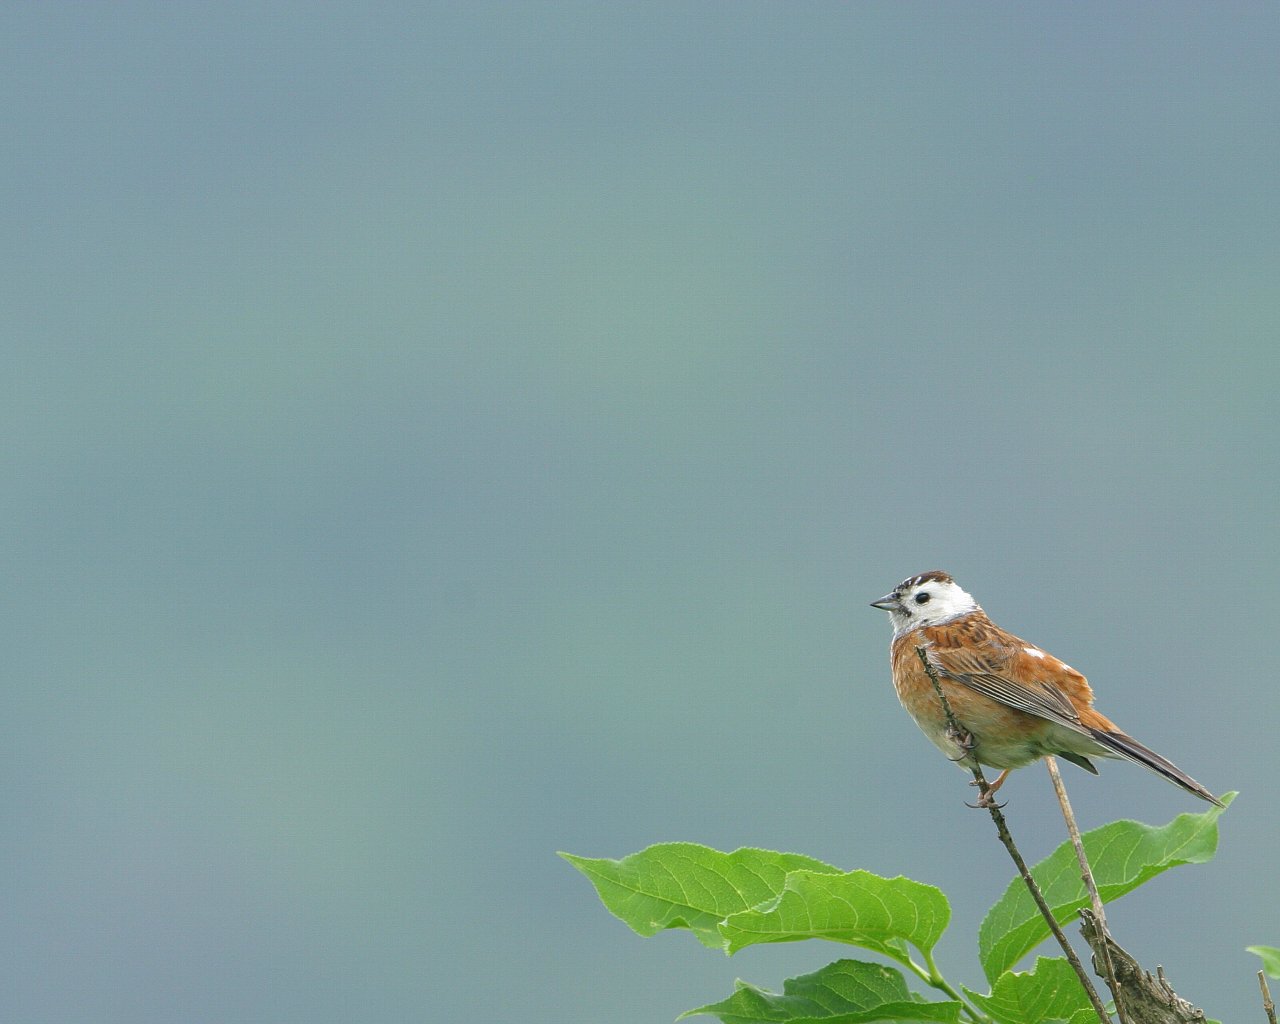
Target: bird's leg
985	800
963	740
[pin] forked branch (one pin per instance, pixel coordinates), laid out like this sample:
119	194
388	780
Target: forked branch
1147	999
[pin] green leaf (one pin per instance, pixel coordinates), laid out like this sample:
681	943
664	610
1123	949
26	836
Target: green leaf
1123	855
1087	1016
684	885
1270	958
845	992
858	907
1050	992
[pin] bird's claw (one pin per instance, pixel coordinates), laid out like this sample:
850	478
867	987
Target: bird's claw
987	799
963	740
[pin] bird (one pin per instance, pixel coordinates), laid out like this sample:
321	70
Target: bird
1013	702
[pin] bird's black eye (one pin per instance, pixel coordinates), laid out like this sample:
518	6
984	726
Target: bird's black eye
922	598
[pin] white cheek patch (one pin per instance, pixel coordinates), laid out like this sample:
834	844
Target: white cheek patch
1035	652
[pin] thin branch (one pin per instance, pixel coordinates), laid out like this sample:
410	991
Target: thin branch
1086	875
1002	831
1267	1004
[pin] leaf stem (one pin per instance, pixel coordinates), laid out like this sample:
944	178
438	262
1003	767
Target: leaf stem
932	977
1002	830
936	979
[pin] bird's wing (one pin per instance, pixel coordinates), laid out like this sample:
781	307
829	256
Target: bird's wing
1038	684
1021	676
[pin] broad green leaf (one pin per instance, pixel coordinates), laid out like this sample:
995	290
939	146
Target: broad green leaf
684	885
1050	992
1270	958
845	992
1123	855
859	908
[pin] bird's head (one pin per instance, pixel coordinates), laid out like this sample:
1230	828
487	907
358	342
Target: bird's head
925	600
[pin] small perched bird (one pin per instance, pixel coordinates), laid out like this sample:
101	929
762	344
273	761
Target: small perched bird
1014	702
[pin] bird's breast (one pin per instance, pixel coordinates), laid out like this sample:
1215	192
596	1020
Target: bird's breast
1003	736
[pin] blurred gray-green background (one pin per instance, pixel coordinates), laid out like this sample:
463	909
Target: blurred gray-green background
440	435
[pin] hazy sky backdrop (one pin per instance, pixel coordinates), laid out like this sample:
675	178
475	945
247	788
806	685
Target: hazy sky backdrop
438	435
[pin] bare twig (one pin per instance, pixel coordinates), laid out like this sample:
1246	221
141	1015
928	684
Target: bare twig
1002	830
1267	1004
1086	876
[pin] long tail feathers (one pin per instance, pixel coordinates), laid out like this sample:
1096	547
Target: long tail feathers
1128	747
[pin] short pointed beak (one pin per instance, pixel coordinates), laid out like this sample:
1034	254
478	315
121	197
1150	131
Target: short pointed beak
888	602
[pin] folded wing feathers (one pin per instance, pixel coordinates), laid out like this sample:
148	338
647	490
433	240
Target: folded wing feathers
1044	701
1047	701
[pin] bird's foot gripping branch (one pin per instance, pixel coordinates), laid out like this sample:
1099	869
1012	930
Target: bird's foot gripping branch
733	900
